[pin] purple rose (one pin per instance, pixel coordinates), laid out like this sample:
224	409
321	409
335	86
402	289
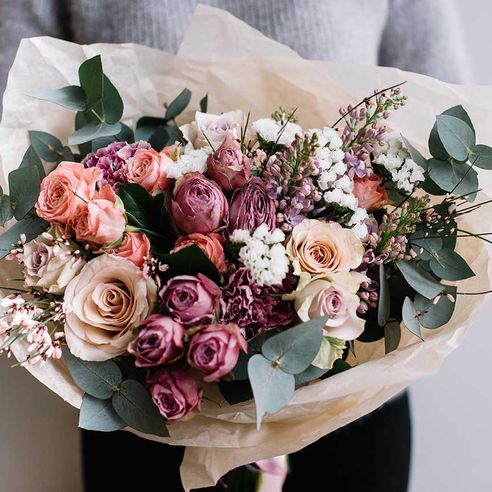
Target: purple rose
214	350
190	299
175	392
198	204
228	166
161	341
251	206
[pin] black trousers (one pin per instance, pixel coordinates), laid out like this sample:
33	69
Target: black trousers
369	455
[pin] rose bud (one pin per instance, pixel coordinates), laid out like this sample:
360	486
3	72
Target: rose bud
190	299
160	341
135	247
369	192
198	204
175	392
251	206
214	350
228	166
210	244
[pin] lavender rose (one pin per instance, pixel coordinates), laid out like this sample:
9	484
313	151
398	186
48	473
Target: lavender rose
214	350
228	166
175	392
190	299
161	341
198	204
251	206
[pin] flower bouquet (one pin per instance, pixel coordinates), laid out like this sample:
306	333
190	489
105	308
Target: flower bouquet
189	281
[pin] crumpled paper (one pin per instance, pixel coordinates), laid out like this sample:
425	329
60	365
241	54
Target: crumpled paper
240	68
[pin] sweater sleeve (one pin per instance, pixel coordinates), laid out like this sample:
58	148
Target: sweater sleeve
27	18
424	36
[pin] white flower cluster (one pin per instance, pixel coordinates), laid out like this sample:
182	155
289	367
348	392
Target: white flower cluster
263	253
193	160
394	157
271	130
357	223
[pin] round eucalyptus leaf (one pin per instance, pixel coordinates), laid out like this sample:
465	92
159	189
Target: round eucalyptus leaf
409	315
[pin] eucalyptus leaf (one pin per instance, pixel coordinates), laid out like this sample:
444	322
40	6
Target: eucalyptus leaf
449	265
419	279
309	374
392	336
48	147
240	370
93	130
6	212
70	97
159	138
272	387
482	156
204	103
409	315
99	415
126	134
30	226
30	159
434	315
460	113
456	136
436	147
24	186
112	104
426	244
98	379
92	80
454	177
236	391
295	348
178	105
339	366
416	156
384	304
135	406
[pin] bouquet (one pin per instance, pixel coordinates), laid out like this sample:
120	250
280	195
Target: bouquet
225	259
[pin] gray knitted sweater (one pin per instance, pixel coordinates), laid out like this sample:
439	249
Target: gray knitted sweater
415	35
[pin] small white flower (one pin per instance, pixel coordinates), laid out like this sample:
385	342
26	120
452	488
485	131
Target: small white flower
194	160
271	130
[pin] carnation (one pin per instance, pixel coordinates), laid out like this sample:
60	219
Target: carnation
191	161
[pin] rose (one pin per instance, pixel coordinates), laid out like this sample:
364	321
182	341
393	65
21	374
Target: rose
251	206
109	298
148	169
213	128
160	341
198	204
99	222
369	192
320	248
50	264
214	350
135	247
210	244
64	191
190	299
175	392
228	166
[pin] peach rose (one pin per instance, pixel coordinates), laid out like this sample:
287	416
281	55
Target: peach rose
148	169
319	248
135	247
103	304
369	192
210	244
99	222
64	191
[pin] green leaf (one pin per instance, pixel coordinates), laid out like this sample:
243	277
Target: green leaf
70	97
112	104
24	190
159	138
48	147
416	156
428	241
419	279
99	143
138	204
92	80
482	156
6	212
435	315
204	103
30	226
454	177
30	159
449	265
295	348
135	406
98	379
99	415
147	125
236	391
126	134
339	366
436	147
460	113
392	335
456	136
178	105
384	305
272	387
409	315
175	135
309	374
93	130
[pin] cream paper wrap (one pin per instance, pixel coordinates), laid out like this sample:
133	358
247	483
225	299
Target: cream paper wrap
240	68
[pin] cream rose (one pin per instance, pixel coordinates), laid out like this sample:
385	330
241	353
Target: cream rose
102	305
319	248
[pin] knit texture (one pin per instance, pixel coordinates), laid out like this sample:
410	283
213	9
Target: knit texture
417	35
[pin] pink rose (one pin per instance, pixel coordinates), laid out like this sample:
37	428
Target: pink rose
135	247
190	299
369	192
228	166
99	222
161	341
175	392
198	204
148	169
64	191
214	350
210	244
